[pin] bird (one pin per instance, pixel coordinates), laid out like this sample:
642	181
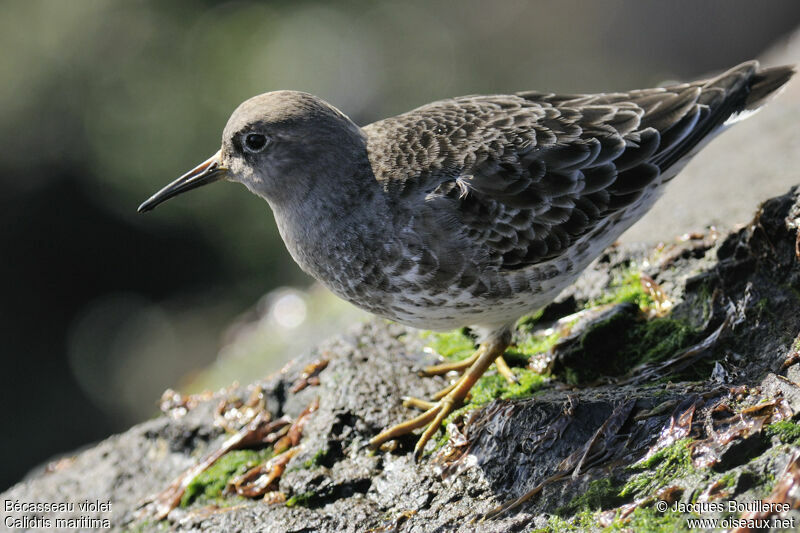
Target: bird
471	211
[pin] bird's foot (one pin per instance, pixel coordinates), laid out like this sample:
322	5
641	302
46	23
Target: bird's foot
444	368
504	370
463	365
447	400
431	419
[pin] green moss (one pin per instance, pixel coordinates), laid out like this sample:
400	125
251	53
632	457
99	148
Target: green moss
535	344
571	376
301	499
317	459
765	483
786	431
208	485
704	295
515	357
494	386
583	521
455	345
763	308
442	437
650	520
626	287
659	339
528	322
556	524
727	480
614	346
641	519
528	382
600	494
661	468
621	342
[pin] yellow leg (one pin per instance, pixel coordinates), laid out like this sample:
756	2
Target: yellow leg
505	370
444	392
444	368
502	368
417	403
463	365
486	354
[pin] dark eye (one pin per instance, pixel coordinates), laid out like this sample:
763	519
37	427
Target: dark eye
255	142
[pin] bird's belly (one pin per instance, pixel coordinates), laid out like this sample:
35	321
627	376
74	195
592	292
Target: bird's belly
497	298
450	310
487	299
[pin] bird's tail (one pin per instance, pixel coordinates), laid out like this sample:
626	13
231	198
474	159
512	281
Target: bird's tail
720	102
742	90
765	83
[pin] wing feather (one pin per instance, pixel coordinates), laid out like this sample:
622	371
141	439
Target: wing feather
522	177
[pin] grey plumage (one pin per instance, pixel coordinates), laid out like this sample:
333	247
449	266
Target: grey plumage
473	210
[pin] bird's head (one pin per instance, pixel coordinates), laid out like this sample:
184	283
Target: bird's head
279	145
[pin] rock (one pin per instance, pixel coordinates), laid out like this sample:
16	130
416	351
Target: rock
733	312
613	429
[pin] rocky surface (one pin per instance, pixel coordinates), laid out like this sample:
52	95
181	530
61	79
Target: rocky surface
681	386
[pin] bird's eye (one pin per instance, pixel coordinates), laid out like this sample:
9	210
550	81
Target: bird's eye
255	142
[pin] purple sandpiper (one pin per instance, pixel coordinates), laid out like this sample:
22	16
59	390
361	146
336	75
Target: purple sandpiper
471	211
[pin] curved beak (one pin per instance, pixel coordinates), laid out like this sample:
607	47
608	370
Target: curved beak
206	172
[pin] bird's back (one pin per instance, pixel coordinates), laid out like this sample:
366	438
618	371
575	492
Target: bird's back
509	197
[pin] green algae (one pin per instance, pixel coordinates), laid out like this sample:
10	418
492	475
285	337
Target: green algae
316	460
664	466
528	322
495	387
646	341
657	340
302	499
599	494
625	287
786	431
455	345
727	480
641	519
624	340
538	343
650	520
616	345
585	521
209	485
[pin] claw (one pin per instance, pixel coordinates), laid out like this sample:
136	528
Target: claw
417	403
505	370
445	407
444	368
444	392
450	398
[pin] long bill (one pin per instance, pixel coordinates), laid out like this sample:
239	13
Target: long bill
206	172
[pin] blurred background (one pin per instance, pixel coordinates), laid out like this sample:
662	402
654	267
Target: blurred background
102	103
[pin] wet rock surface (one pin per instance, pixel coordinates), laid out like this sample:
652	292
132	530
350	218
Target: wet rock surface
709	417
